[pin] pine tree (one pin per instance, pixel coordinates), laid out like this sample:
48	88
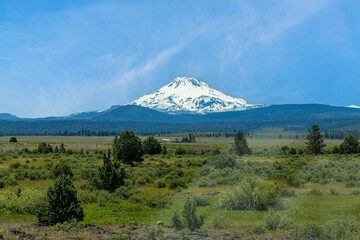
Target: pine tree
127	148
188	219
63	204
164	150
192	137
315	140
151	146
176	221
62	168
191	220
44	148
240	145
349	145
112	174
62	148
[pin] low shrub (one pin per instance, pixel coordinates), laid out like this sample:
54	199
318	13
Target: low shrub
287	193
216	151
176	183
153	233
69	226
152	200
251	194
356	192
224	161
122	236
15	165
201	201
160	184
203	182
173	173
333	192
7	182
259	229
27	201
218	222
294	180
205	171
97	196
312	231
180	151
38	175
125	192
314	192
274	220
20	175
342	229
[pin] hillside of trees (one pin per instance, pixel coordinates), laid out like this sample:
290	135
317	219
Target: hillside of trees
334	128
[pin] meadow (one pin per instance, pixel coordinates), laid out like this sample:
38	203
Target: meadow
315	192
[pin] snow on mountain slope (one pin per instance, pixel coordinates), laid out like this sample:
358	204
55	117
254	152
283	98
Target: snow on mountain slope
353	106
189	95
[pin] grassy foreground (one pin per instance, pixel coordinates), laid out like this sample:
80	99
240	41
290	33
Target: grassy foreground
332	177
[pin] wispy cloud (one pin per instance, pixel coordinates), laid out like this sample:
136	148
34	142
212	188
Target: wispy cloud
110	52
288	15
259	30
265	26
150	65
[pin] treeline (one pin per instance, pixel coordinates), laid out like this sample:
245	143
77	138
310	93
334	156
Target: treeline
89	133
335	128
92	133
221	134
328	134
335	134
112	128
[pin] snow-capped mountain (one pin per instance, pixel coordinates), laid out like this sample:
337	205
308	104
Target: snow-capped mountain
353	106
189	95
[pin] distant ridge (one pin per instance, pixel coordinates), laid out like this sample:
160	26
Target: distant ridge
7	116
296	117
273	112
190	104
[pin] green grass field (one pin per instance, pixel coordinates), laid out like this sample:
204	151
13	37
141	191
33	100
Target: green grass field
301	209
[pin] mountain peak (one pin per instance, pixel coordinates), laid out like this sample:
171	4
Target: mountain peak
353	106
185	81
190	95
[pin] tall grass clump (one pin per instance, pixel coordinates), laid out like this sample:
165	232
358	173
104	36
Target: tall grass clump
218	222
274	220
251	194
342	229
355	192
153	233
338	229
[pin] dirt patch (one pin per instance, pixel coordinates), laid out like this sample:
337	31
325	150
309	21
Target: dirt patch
26	230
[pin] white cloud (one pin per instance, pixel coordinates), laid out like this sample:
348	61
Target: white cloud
87	58
264	26
288	15
151	65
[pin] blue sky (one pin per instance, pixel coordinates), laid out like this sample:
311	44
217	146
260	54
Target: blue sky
59	57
